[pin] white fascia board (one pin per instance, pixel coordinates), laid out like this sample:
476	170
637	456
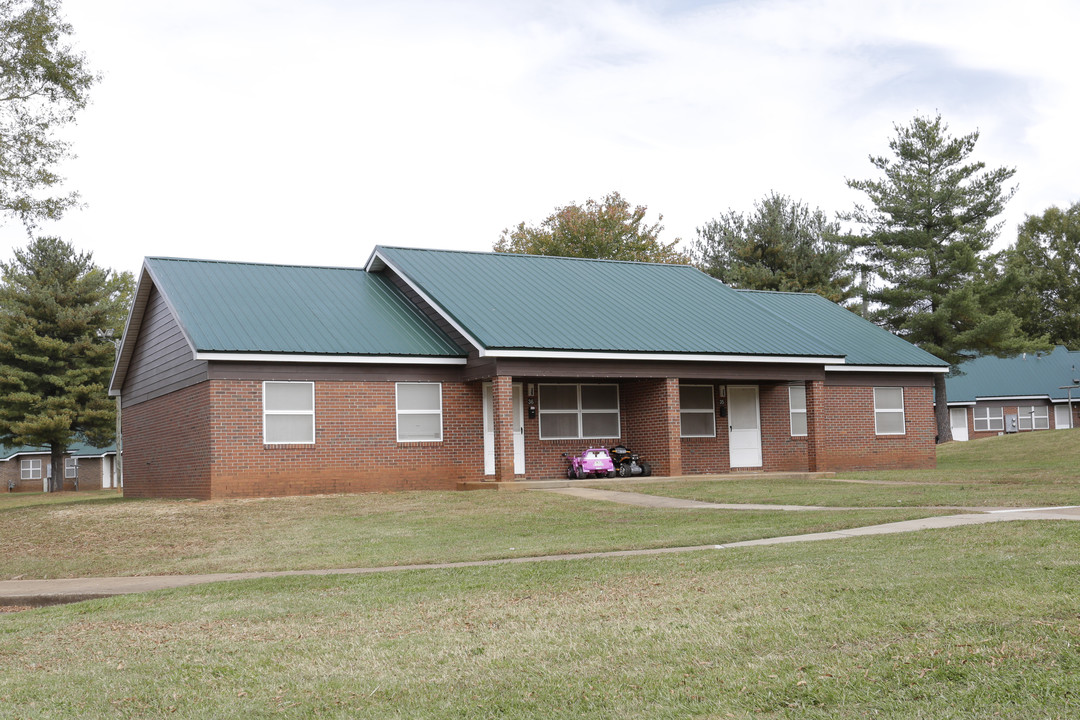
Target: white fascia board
680	357
961	403
342	359
886	368
1001	398
377	262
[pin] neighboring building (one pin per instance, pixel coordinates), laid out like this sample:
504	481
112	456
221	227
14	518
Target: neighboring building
85	468
1034	391
428	368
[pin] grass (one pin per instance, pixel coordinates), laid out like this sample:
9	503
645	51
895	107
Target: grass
1027	470
968	622
111	536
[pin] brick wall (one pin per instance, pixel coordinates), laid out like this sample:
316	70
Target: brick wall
167	445
355	448
850	441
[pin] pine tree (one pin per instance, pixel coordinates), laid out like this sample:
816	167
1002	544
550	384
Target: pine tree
56	351
927	234
781	245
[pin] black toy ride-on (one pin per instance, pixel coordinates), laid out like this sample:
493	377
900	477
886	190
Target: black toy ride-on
629	464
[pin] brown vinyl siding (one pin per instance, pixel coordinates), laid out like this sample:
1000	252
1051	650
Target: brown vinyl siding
163	361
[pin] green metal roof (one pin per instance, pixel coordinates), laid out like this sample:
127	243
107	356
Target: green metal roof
1033	374
861	341
231	307
76	449
539	303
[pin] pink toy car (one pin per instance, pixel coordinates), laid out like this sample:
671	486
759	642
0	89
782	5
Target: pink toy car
594	462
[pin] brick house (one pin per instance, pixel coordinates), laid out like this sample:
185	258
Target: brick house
990	396
428	368
24	469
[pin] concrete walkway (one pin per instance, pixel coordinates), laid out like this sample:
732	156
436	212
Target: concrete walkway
50	592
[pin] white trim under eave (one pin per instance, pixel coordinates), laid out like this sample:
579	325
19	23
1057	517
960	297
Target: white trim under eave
342	359
961	403
680	357
1002	398
886	368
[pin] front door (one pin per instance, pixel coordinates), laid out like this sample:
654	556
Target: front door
744	426
958	421
489	430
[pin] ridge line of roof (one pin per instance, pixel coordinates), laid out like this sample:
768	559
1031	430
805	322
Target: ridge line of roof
254	263
529	255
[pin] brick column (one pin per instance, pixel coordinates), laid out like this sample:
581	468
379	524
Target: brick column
502	417
672	442
815	424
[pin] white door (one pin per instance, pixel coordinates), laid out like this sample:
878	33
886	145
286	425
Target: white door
1061	417
744	426
958	421
489	430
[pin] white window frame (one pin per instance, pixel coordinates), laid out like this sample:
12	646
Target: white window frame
311	412
710	411
398	412
577	386
793	410
30	469
878	412
1034	421
71	466
987	420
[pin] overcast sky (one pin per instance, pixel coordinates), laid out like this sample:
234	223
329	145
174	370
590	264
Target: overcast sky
308	132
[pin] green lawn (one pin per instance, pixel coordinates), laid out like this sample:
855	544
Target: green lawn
966	622
112	536
1027	470
973	622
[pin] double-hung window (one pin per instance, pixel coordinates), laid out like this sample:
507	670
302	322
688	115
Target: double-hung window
889	411
71	468
697	411
30	469
797	409
419	412
989	419
288	413
1033	417
571	412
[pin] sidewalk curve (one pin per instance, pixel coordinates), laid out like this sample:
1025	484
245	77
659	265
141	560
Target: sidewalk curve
51	592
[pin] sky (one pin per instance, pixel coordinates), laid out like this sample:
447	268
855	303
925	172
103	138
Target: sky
309	132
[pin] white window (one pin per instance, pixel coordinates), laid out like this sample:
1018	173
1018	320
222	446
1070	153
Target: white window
579	411
419	412
889	411
989	419
31	469
71	466
797	406
1034	417
1061	417
289	413
697	411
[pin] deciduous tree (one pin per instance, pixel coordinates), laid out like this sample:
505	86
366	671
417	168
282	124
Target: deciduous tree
1040	274
927	232
43	85
610	229
58	315
781	245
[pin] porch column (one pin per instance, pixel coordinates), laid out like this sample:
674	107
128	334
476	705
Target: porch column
815	424
502	418
672	442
